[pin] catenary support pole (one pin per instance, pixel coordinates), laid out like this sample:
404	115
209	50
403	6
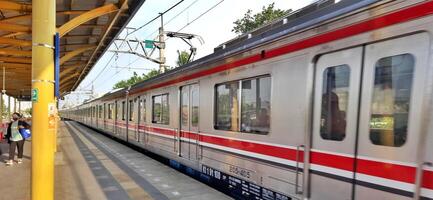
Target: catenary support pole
162	46
43	30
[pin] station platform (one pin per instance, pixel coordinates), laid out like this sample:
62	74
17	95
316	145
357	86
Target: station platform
89	165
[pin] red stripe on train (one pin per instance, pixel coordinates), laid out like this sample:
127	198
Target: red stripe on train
269	150
373	168
400	16
427	179
330	160
387	170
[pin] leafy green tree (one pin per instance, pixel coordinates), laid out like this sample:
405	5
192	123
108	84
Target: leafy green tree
5	110
183	58
136	79
27	111
250	22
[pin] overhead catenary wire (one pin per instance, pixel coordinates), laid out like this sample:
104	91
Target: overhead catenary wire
201	15
186	25
128	34
156	17
174	17
195	19
198	17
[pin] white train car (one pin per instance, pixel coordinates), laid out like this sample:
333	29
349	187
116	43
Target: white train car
333	102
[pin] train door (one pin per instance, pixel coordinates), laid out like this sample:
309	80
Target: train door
116	117
97	116
142	124
390	118
189	116
105	117
332	153
132	120
137	101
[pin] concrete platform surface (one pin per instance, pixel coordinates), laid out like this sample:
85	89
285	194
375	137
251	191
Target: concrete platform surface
89	165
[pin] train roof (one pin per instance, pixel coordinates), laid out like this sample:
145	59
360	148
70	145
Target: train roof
304	18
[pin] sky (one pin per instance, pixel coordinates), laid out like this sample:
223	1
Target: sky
214	27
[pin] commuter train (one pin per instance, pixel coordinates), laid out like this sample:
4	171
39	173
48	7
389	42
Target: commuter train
333	102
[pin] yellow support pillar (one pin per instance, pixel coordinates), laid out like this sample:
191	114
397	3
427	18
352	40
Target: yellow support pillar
43	26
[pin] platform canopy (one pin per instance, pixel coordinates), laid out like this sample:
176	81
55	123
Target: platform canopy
86	27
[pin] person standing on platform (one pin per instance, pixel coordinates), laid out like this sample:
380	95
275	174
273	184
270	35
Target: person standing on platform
15	139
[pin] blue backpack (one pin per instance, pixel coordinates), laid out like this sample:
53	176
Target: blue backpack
25	132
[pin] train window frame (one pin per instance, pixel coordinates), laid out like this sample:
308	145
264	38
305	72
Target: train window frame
332	136
238	115
143	110
100	111
131	110
123	111
109	111
195	113
395	95
161	118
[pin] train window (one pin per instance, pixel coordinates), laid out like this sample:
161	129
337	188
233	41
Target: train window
194	108
100	111
143	107
185	107
391	98
160	112
131	110
110	110
335	96
227	106
123	111
256	105
116	110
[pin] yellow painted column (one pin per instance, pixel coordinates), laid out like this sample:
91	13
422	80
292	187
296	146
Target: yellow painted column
43	29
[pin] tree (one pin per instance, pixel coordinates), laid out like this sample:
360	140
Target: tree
136	79
183	58
27	111
250	22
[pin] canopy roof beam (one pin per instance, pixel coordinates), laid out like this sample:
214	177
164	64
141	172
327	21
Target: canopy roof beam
15	42
74	53
85	17
29	16
8	5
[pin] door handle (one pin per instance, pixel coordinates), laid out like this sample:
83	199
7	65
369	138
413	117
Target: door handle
298	150
419	176
197	148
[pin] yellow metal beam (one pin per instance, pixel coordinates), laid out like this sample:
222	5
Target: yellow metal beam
123	4
67	84
15	34
8	5
79	36
15	60
14	66
29	16
85	17
66	71
69	78
43	117
12	52
69	68
74	53
4	26
15	42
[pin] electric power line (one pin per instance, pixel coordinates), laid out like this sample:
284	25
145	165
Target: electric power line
198	17
201	15
174	17
121	44
156	17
